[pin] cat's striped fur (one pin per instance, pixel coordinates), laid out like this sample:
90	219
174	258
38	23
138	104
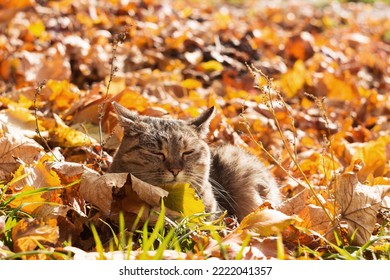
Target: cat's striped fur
162	151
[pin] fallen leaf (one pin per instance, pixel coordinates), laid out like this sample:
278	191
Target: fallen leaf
266	222
61	93
12	148
28	233
311	216
211	65
375	154
20	121
183	199
358	205
28	179
65	136
98	190
299	47
294	79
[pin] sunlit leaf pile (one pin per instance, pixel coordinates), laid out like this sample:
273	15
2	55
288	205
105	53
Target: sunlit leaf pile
304	86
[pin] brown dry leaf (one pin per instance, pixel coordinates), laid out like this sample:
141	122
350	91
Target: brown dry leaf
358	205
312	216
28	233
98	190
14	147
69	173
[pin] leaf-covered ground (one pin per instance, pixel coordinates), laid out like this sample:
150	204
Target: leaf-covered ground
304	85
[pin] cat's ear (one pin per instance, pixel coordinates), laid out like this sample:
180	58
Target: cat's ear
131	122
202	122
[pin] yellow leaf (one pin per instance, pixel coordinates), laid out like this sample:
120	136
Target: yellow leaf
117	85
294	79
211	65
318	163
28	232
65	136
19	4
30	177
182	198
222	20
27	203
63	94
191	84
37	28
375	155
266	221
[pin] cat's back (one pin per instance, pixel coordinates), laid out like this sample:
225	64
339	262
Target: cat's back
240	180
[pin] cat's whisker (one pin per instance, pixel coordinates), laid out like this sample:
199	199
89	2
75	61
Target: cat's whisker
223	193
218	189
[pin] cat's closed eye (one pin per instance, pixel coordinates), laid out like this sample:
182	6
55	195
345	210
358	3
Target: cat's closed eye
187	153
158	154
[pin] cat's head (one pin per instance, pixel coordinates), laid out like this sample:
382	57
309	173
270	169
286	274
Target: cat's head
162	151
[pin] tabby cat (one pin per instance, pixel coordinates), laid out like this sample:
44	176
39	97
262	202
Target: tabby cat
160	151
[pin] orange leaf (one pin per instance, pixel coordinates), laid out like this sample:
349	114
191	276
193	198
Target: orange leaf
132	100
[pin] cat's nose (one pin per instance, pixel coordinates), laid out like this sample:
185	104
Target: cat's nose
175	171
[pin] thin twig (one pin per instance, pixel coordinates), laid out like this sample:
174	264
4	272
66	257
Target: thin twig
267	91
38	91
120	38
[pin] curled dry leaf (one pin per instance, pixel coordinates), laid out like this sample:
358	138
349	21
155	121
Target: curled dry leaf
358	205
116	192
14	147
98	189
